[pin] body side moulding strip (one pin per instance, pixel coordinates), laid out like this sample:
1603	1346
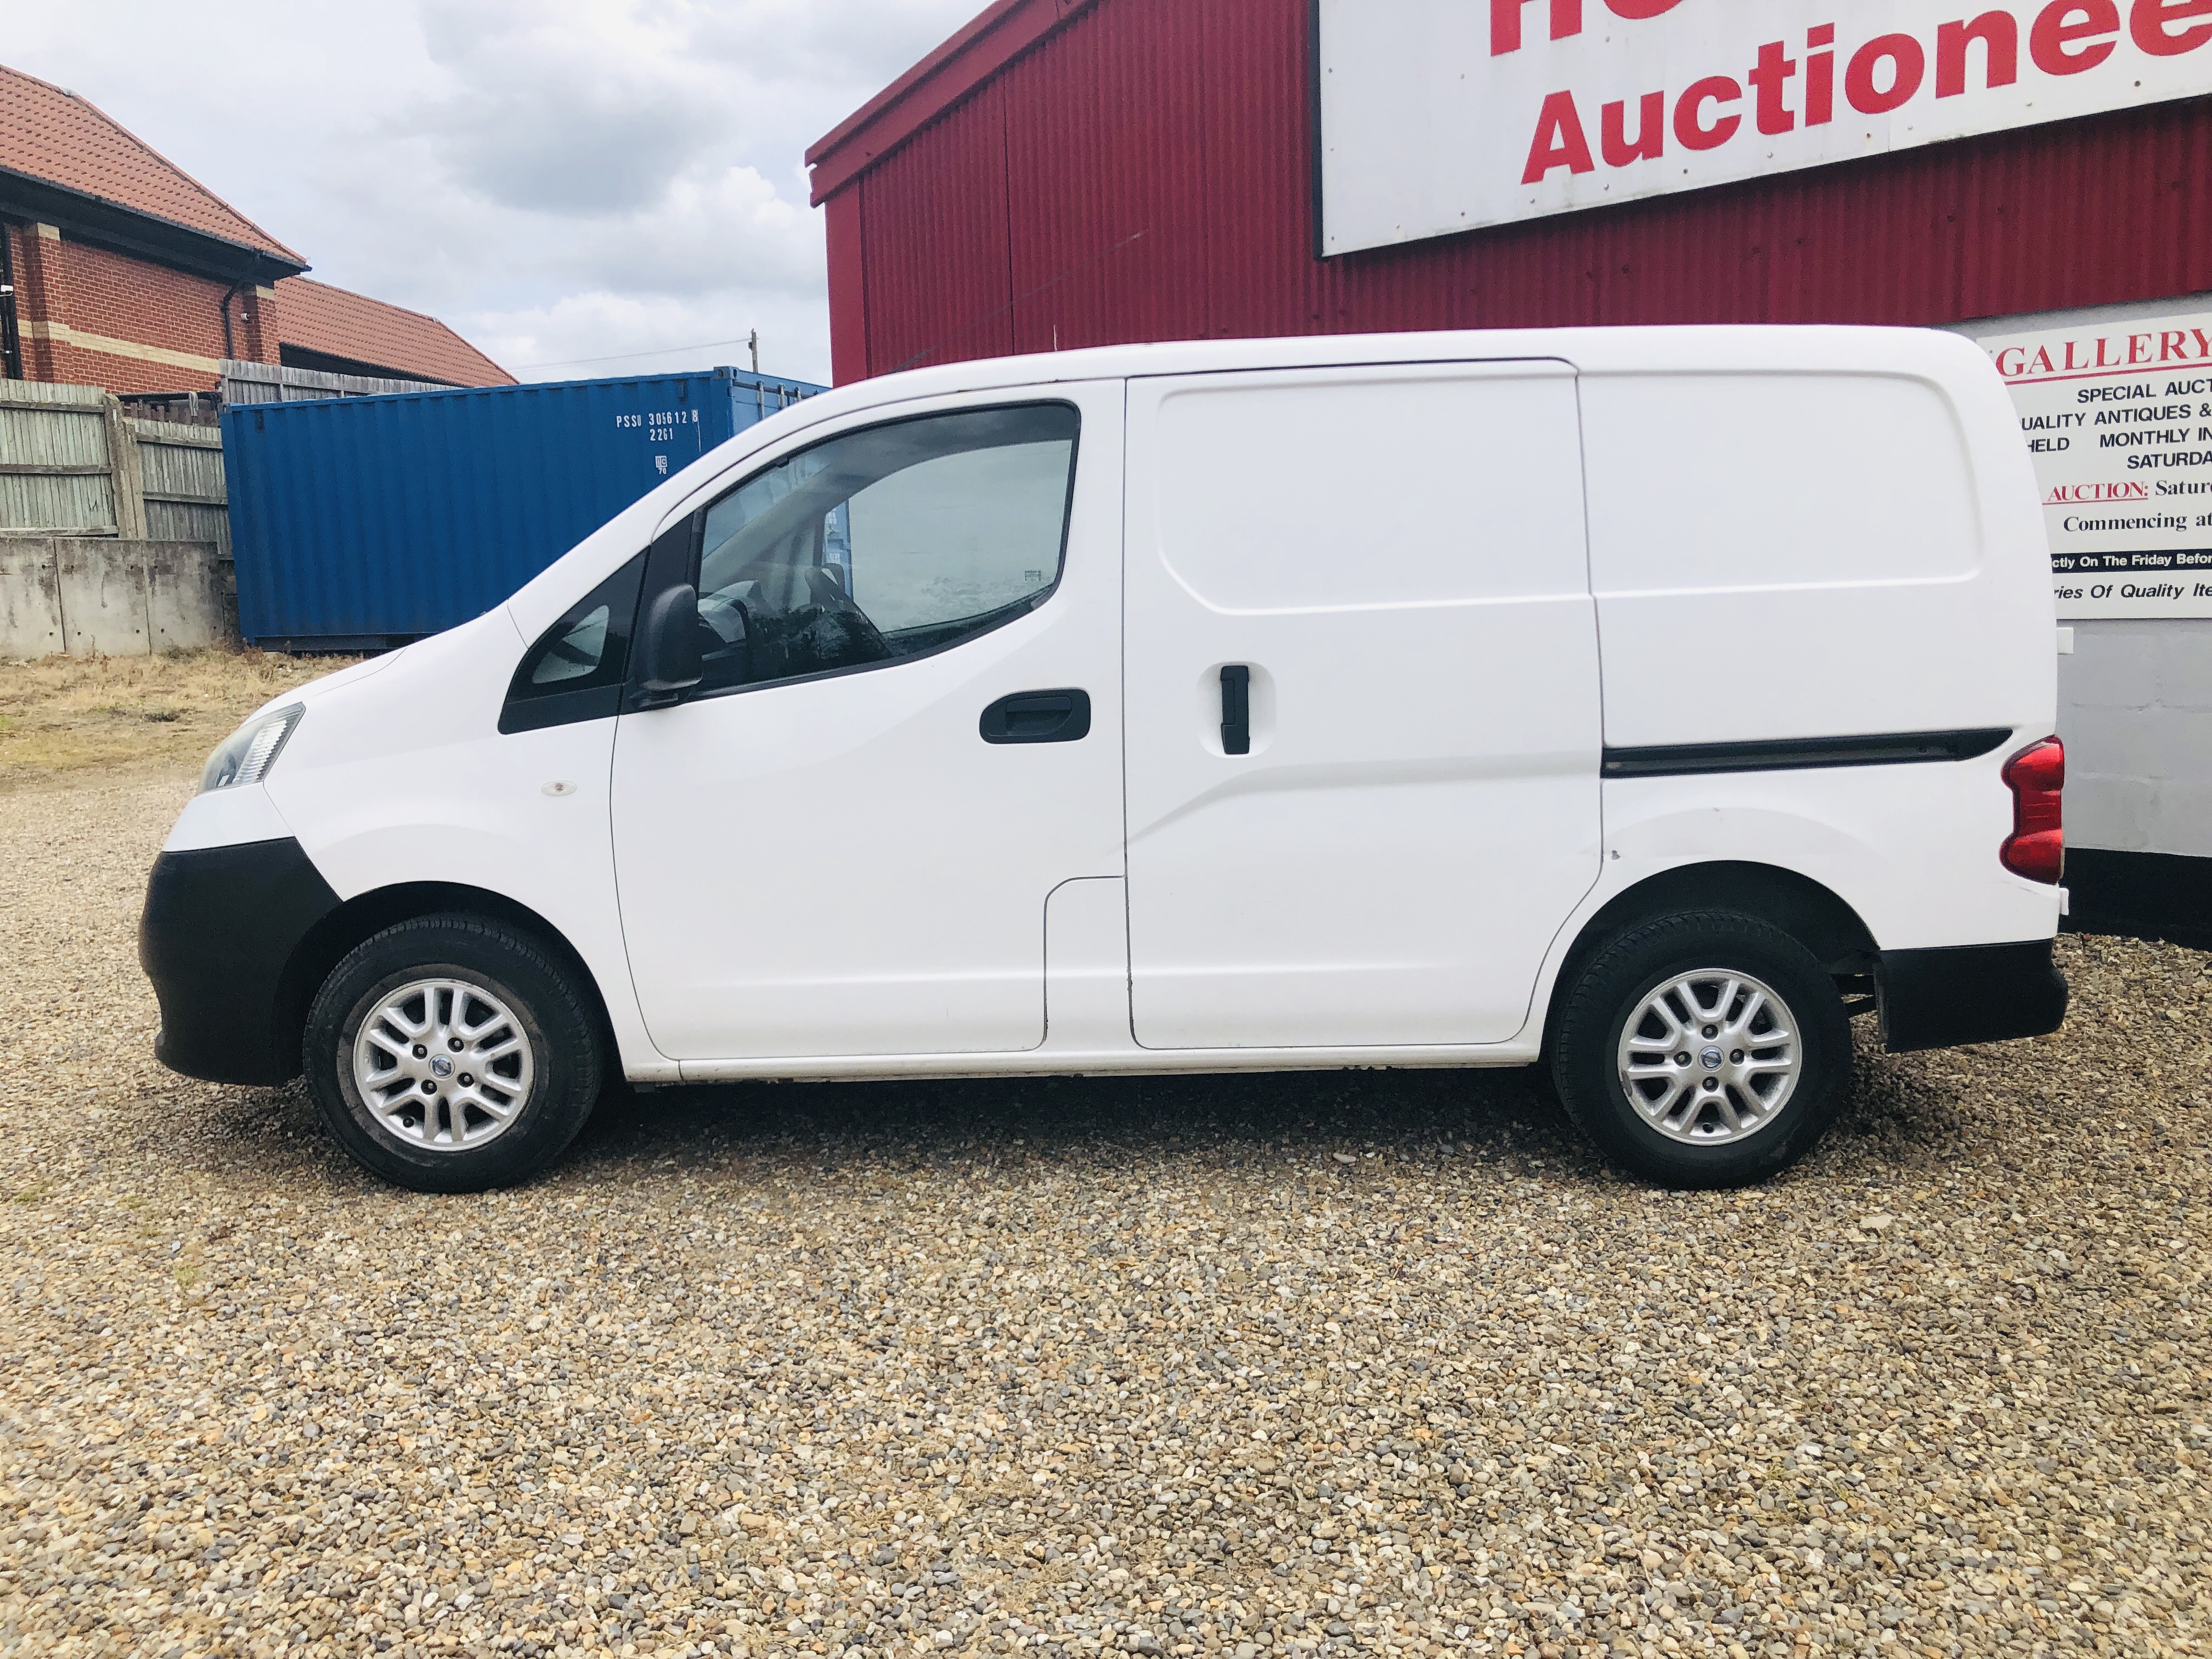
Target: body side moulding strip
1795	754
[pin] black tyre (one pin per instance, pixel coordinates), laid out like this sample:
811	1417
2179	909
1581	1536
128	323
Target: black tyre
1704	1048
453	1053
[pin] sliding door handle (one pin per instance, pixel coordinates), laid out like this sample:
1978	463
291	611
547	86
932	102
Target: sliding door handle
1038	717
1237	709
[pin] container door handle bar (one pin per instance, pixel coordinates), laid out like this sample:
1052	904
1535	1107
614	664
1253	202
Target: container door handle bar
1237	709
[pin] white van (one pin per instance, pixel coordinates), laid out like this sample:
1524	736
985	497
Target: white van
1641	702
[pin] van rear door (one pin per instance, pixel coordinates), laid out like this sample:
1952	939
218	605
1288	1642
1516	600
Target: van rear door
1390	564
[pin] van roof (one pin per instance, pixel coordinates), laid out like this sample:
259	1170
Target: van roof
1935	353
1950	360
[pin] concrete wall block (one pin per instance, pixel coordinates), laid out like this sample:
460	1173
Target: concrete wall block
2135	706
30	598
2182	740
2114	665
95	594
103	589
184	596
2101	740
2181	822
2115	813
2184	665
2160	743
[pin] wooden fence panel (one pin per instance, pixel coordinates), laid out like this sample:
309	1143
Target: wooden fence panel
114	532
268	383
56	473
180	469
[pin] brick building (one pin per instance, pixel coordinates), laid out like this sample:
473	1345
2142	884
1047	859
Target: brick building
120	270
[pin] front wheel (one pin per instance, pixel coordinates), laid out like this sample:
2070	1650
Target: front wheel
453	1053
1704	1049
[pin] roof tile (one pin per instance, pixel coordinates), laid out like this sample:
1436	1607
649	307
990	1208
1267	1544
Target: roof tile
52	134
319	318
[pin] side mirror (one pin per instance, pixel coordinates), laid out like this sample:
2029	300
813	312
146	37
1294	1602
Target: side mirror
668	644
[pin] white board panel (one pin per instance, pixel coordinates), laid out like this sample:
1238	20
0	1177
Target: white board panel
2117	418
1441	116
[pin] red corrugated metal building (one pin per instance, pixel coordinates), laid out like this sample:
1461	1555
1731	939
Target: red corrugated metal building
1091	172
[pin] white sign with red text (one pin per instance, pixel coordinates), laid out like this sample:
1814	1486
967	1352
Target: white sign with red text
1441	116
2118	419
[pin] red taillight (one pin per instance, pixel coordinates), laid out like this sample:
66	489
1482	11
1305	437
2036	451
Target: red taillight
2036	847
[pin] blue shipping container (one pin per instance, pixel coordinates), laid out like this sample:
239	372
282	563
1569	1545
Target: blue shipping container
363	522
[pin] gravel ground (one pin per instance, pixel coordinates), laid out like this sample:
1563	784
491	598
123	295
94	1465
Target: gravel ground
142	714
1245	1366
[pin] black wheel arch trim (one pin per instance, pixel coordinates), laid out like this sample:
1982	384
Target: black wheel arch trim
221	927
238	939
364	916
1817	916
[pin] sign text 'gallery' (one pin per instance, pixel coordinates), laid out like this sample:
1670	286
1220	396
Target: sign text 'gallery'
1441	116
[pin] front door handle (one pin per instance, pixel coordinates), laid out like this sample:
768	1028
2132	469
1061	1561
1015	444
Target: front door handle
1237	709
1038	717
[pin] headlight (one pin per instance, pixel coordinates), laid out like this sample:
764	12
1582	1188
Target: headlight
246	755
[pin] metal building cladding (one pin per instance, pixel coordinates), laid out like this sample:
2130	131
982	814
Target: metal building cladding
1077	172
360	523
1074	173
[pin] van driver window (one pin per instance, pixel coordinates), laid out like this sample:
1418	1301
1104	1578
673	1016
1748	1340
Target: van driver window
889	543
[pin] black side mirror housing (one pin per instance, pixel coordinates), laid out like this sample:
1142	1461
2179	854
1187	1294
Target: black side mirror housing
668	644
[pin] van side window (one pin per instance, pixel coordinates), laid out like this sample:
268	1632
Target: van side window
885	544
574	672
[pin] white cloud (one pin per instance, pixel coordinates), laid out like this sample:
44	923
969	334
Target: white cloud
634	335
557	179
566	109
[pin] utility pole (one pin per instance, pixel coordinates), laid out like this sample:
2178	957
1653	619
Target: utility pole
755	344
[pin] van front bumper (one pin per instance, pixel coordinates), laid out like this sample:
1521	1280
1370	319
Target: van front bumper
1943	998
221	925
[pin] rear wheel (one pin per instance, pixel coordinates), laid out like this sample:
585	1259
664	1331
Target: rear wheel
453	1053
1704	1049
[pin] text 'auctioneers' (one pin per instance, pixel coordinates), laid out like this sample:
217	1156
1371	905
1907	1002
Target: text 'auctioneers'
1439	117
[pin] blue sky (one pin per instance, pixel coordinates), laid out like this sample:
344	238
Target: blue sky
558	179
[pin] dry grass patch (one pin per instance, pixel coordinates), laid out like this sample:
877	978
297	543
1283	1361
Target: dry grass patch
61	715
